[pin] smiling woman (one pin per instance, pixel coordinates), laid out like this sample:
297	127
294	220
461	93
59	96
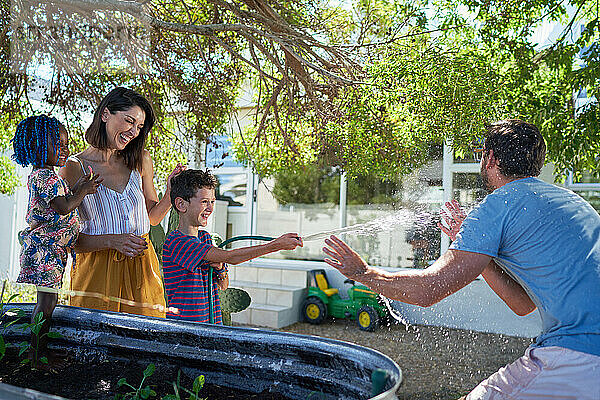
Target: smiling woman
114	259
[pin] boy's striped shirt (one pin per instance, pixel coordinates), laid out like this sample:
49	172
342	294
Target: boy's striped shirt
186	277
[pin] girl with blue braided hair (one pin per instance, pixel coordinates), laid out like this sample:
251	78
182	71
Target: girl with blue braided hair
43	142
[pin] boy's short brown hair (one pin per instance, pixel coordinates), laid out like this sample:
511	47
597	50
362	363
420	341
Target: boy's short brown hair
187	183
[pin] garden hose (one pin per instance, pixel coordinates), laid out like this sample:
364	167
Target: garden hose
210	269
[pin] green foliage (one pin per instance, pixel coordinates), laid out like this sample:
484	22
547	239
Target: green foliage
401	88
9	180
192	87
233	300
417	96
141	392
417	93
313	185
192	395
310	185
483	65
540	79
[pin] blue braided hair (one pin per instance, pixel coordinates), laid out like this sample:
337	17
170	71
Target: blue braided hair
30	143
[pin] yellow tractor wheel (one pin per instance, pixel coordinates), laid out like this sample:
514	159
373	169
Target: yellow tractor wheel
367	318
314	310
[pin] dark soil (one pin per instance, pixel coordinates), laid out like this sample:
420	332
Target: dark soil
77	380
437	363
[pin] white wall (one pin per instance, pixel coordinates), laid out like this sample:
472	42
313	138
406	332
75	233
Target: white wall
475	307
12	219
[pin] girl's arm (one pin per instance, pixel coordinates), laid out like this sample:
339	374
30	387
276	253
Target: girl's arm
156	209
87	184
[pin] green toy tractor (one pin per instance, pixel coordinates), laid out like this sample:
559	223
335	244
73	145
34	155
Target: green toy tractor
361	305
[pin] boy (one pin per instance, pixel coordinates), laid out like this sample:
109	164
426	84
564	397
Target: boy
188	253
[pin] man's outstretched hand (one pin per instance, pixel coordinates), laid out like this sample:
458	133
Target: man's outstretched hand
454	219
343	258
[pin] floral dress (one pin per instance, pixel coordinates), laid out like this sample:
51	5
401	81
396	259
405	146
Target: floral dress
50	236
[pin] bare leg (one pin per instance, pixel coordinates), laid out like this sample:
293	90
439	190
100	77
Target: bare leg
46	302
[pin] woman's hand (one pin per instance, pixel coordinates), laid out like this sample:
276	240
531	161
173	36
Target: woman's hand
128	244
454	220
156	209
174	173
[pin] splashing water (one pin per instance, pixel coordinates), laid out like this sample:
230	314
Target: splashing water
393	312
403	217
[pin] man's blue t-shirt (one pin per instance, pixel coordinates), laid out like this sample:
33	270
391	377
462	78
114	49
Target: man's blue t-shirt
186	276
548	239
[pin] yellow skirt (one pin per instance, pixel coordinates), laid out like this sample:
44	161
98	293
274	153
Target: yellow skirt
108	273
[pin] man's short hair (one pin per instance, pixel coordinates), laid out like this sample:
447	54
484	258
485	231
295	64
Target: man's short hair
518	146
187	183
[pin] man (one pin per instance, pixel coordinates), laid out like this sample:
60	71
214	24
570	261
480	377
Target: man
536	245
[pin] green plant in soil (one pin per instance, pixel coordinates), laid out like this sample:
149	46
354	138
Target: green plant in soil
5	311
145	392
142	392
36	327
192	395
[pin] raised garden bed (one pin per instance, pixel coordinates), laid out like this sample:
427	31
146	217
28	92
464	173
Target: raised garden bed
238	361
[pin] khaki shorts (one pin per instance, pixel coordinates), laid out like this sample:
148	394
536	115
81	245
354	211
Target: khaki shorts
544	373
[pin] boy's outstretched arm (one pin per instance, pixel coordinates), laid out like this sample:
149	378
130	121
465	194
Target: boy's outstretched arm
289	241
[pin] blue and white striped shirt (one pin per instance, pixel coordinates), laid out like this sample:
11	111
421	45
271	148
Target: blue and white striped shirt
110	212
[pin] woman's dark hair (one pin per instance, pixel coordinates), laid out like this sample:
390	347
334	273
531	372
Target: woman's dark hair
30	143
122	99
518	146
187	183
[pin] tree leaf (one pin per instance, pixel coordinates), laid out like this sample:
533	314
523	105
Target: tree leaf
44	360
121	382
54	335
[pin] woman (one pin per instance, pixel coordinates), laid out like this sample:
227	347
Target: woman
114	257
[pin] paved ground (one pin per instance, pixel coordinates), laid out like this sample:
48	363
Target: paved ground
437	363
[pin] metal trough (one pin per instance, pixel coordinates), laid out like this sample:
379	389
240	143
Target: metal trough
297	366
